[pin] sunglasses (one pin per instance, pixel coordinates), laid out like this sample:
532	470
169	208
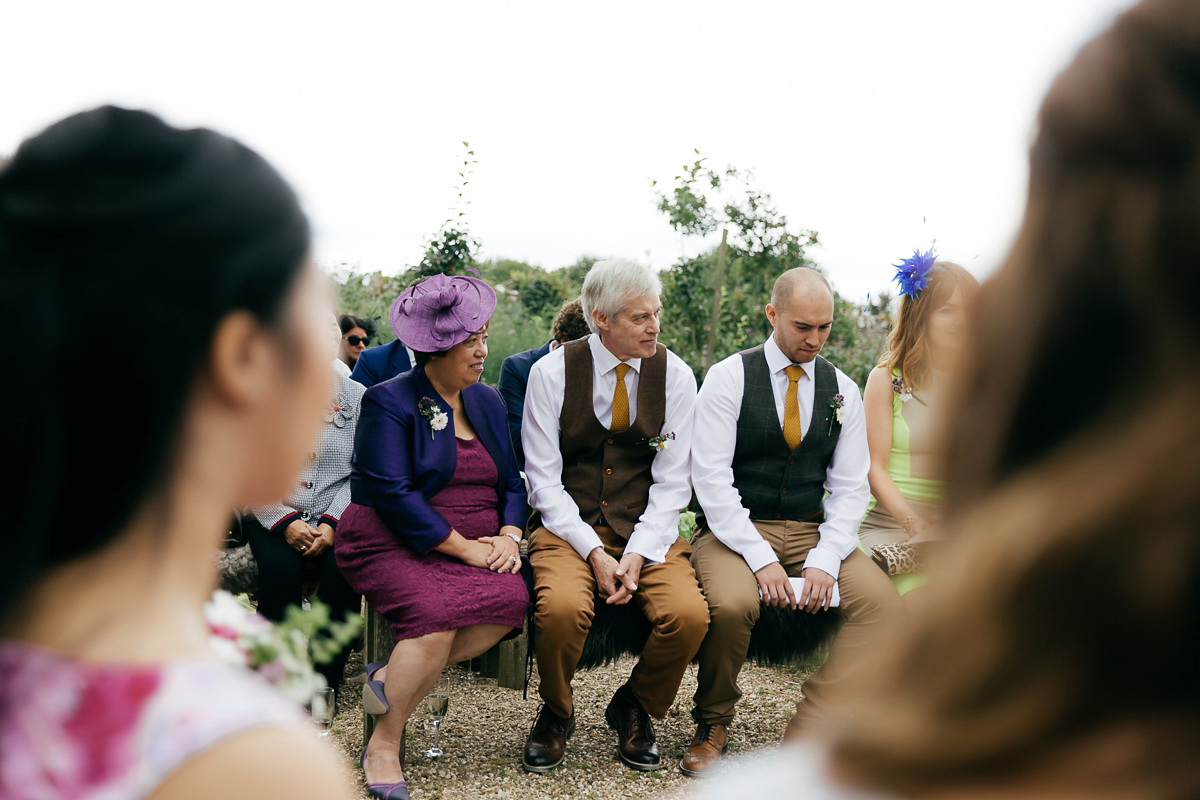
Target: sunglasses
355	341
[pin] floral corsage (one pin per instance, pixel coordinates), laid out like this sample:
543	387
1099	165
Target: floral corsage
283	653
662	442
899	388
434	415
839	411
341	412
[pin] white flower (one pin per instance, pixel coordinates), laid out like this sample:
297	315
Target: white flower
228	651
241	637
439	421
840	414
664	444
906	395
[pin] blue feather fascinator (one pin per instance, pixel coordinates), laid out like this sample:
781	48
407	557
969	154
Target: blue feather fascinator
912	274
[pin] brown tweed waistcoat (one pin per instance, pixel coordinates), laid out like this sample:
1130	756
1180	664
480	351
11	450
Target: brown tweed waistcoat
608	474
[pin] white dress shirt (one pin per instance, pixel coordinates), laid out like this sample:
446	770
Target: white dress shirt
717	408
671	491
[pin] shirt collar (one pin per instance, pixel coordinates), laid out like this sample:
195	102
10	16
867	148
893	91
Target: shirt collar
604	360
777	361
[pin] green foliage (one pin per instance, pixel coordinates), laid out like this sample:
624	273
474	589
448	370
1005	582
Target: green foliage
540	298
687	524
368	295
326	637
451	253
512	330
858	338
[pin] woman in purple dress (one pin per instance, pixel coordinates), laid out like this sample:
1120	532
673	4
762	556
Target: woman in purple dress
433	530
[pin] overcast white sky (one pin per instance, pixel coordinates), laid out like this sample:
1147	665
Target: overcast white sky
861	117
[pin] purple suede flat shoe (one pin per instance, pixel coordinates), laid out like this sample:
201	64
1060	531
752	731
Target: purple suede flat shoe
384	791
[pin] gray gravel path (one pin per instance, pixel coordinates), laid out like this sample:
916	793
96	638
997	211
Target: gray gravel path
486	727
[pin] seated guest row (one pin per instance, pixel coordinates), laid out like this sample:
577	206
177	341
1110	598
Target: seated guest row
781	476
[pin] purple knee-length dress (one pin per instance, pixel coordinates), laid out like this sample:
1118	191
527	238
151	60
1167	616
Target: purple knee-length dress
423	594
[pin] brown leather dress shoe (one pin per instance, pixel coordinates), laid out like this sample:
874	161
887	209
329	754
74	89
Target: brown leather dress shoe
708	745
547	743
635	734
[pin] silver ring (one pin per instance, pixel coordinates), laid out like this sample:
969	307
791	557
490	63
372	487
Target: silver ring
513	559
303	547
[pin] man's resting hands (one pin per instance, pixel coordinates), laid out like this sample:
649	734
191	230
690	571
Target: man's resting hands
617	581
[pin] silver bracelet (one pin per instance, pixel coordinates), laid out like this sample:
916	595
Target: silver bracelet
515	538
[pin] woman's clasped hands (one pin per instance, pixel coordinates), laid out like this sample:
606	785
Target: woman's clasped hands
504	553
307	540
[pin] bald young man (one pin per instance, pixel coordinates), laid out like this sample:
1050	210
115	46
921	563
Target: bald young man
772	447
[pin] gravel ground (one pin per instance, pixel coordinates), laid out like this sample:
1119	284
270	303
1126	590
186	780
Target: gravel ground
486	727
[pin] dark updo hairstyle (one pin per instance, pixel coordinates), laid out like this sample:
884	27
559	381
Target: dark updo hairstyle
348	322
106	211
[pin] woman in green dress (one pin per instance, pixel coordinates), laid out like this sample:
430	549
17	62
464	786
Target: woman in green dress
905	400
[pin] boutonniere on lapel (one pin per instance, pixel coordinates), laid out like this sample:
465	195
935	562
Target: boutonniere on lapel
341	412
434	415
659	443
839	411
899	388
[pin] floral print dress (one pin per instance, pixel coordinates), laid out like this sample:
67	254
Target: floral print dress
83	731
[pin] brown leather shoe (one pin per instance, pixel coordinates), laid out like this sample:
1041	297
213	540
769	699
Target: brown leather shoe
635	734
708	745
547	743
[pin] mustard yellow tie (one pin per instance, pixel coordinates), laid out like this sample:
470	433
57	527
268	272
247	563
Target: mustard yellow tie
791	407
620	419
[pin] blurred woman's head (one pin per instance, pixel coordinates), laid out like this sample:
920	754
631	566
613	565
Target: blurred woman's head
357	334
1075	462
930	331
113	209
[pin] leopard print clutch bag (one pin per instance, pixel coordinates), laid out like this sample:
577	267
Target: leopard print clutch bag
898	558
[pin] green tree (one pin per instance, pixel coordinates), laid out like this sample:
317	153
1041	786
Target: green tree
761	245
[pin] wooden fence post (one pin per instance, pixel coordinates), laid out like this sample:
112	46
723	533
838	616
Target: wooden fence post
710	342
379	643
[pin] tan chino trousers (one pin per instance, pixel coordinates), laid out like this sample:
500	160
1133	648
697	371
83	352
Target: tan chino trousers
566	594
869	603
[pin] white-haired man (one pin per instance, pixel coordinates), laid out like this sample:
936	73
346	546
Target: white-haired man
607	431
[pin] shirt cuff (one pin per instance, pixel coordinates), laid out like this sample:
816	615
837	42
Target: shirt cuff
279	527
649	546
584	540
330	521
824	561
760	555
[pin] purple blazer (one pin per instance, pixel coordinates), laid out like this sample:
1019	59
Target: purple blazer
398	466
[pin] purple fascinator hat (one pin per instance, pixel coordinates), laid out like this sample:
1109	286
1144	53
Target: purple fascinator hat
441	311
912	274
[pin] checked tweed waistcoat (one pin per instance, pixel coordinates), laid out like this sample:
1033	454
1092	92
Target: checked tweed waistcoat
775	481
607	474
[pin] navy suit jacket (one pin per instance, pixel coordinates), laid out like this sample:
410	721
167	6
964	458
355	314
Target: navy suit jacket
378	364
400	461
514	377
